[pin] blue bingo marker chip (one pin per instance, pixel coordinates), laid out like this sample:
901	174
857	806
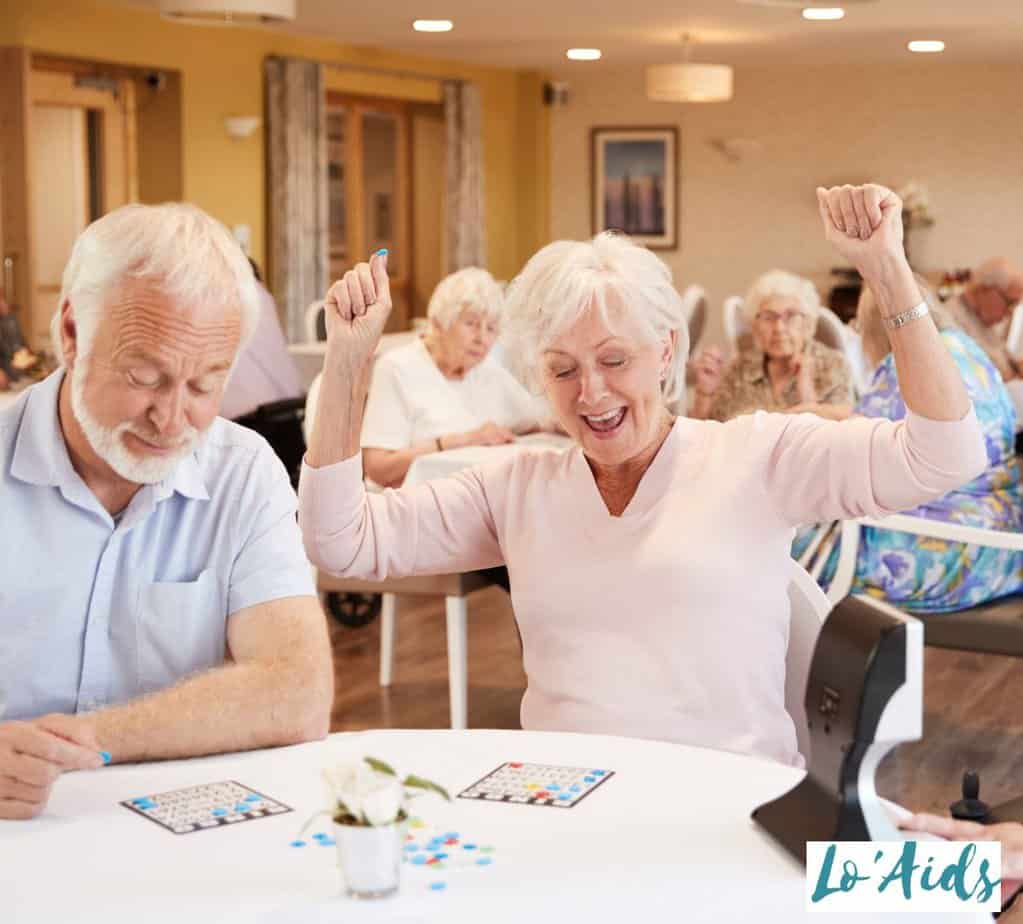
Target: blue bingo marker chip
419	860
252	797
484	861
564	797
218	812
298	843
468	846
438	886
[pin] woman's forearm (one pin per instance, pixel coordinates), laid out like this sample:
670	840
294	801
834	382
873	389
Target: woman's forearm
929	381
338	425
388	467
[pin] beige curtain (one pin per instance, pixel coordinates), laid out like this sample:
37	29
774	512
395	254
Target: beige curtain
464	209
297	167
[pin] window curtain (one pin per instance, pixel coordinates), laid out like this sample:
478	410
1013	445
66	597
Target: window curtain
464	208
297	195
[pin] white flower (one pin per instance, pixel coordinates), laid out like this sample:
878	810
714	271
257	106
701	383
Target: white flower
356	788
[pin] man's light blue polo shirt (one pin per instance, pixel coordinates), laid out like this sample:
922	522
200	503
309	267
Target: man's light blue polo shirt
94	612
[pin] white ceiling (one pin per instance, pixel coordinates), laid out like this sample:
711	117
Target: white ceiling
535	33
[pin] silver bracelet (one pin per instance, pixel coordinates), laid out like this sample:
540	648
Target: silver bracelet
920	311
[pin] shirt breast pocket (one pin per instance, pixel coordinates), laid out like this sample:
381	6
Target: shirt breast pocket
182	629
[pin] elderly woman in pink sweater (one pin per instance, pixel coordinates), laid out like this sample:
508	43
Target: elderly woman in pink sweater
648	564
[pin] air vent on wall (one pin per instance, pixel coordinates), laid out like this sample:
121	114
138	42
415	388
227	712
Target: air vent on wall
803	4
229	12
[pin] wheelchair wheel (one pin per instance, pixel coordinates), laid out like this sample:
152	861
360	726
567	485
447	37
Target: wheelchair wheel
353	610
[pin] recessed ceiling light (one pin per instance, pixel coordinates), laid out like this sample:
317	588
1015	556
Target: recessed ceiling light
583	54
928	46
823	13
433	25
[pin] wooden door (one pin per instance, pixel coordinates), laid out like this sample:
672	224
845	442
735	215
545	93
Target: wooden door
82	143
68	157
370	191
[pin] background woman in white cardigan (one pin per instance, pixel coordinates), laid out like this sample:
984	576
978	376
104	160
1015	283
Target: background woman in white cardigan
657	550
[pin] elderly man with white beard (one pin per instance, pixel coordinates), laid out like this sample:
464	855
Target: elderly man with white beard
155	600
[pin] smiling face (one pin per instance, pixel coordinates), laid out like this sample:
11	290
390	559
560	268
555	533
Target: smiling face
780	327
151	382
604	384
468	340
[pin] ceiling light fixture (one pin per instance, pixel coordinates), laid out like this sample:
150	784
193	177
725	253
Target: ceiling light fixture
228	12
688	82
927	46
433	25
823	13
583	54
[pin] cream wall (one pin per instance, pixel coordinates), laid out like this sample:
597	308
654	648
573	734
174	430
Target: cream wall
221	75
956	129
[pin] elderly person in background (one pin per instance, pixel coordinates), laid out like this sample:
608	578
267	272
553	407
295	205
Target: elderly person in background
628	591
936	576
154	598
446	390
983	311
264	371
786	368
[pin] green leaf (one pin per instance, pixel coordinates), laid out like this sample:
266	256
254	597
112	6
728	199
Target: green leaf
380	766
417	782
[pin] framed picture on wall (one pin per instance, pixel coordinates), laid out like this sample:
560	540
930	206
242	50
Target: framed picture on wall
634	184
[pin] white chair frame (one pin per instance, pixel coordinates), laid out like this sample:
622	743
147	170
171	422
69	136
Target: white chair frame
808	608
845	572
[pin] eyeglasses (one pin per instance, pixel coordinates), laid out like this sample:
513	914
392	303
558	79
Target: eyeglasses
789	318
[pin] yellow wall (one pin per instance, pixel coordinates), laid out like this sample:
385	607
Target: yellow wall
221	75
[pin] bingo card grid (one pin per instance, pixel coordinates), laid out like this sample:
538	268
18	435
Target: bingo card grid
205	807
537	784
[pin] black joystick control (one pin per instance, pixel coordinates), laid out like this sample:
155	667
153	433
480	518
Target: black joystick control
970	807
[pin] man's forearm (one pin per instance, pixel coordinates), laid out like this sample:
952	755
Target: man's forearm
236	707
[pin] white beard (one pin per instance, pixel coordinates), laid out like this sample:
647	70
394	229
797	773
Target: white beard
108	443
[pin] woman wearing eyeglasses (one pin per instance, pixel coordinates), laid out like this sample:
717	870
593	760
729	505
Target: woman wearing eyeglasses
783	368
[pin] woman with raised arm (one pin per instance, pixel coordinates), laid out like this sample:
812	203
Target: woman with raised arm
655	553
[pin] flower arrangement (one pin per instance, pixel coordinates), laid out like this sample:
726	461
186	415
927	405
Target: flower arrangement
916	205
369	793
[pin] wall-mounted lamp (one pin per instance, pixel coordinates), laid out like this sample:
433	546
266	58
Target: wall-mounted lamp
242	126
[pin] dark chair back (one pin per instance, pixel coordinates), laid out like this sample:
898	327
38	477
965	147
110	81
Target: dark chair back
280	424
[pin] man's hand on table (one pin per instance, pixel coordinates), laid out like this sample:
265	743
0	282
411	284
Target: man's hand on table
34	753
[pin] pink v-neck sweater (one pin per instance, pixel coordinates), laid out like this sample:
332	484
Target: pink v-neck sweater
670	621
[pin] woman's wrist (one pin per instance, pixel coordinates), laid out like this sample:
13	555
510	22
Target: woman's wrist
894	286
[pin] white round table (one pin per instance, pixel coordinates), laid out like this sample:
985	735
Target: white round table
441	464
668	838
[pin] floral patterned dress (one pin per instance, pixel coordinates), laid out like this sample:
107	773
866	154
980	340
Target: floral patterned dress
932	575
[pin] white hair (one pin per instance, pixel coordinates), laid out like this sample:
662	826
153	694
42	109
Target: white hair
564	279
189	256
782	284
469	288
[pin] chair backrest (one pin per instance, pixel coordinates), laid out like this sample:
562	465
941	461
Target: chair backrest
282	425
315	323
734	325
808	608
1014	340
830	330
694	307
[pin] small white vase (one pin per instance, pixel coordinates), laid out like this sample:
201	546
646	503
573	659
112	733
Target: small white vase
370	858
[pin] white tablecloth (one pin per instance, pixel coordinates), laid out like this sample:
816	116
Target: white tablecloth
441	464
667	839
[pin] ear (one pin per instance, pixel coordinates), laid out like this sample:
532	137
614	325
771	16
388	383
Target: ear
68	334
670	345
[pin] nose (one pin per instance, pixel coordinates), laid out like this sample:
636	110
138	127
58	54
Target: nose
167	413
592	388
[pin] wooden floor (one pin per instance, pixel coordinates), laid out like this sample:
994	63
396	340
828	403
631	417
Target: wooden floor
973	703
